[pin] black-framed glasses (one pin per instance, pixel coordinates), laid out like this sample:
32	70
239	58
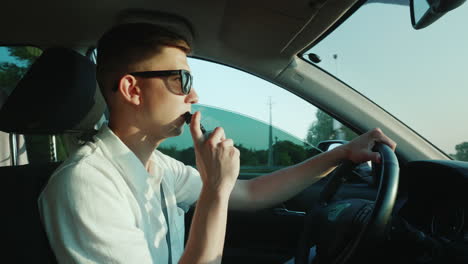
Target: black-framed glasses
181	84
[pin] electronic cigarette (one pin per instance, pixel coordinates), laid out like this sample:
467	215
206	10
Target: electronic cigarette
188	118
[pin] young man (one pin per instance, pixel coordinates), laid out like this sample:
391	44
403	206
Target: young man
117	200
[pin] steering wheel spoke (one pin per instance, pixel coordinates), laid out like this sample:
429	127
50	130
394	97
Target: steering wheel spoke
335	181
341	228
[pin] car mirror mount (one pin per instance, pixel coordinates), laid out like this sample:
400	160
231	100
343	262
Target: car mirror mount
425	12
327	145
362	172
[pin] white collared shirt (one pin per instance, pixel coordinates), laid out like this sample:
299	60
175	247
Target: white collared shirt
102	206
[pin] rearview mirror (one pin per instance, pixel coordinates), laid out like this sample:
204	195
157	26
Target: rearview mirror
426	12
327	145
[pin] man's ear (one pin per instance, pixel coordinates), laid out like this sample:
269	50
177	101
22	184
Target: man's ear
129	89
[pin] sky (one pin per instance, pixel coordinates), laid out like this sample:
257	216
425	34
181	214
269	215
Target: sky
417	75
3	54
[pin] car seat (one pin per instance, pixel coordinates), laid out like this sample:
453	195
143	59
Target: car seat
58	95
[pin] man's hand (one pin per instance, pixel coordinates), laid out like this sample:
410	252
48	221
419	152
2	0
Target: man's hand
360	149
216	157
218	163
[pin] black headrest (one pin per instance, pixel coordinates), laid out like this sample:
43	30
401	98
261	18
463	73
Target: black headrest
58	94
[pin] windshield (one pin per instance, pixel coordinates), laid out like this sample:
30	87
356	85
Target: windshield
419	76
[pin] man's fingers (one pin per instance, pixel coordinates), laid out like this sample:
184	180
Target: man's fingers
381	137
235	153
227	143
217	136
375	157
195	130
386	140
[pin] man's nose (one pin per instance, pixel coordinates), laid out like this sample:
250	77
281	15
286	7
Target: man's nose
192	97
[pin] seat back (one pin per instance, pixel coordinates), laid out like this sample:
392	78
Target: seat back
57	95
24	237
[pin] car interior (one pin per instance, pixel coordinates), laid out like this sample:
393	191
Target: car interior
394	212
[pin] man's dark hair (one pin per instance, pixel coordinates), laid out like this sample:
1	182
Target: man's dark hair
126	45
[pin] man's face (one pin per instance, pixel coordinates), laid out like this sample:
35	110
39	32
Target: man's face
161	108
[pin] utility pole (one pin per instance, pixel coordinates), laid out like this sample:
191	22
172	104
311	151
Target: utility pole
270	136
337	126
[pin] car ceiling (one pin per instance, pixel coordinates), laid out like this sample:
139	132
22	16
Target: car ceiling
258	36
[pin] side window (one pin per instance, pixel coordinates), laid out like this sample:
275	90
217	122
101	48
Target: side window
14	63
271	127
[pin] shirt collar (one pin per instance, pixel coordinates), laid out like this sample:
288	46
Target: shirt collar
123	158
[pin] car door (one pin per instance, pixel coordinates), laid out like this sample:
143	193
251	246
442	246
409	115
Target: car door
273	129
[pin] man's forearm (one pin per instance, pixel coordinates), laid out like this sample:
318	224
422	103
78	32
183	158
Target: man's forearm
281	185
206	238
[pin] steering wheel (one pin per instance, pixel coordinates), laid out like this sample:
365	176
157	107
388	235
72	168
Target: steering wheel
328	222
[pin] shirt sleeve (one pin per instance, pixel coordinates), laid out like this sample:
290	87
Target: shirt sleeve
188	187
88	220
187	182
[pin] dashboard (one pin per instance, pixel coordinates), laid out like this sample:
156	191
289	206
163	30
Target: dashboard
436	206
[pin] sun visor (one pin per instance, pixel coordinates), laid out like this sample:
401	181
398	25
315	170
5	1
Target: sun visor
173	22
276	27
326	14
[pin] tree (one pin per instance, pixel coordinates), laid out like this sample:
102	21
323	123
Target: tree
248	157
462	151
170	151
187	156
26	55
288	153
322	129
12	71
10	74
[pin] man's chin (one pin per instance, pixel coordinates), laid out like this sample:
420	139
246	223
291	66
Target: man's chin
177	131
